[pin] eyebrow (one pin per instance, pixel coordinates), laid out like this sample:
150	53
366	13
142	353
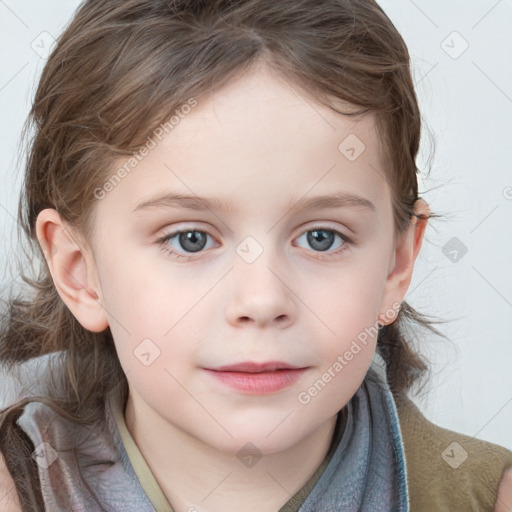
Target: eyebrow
192	202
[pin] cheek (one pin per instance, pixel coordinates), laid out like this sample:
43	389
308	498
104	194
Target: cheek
345	358
155	321
347	334
145	298
348	302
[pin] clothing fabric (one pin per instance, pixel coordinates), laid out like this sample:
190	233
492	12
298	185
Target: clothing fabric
448	471
384	456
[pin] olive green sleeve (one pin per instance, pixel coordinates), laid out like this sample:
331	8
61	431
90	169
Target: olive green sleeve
447	470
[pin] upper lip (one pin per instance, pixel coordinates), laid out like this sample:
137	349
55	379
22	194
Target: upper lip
253	367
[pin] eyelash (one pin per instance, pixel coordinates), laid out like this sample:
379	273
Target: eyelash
162	242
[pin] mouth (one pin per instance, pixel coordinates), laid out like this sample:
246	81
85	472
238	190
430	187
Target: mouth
253	367
257	378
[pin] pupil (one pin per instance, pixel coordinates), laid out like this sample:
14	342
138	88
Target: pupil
192	241
318	239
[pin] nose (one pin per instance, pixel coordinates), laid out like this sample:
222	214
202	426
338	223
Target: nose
261	295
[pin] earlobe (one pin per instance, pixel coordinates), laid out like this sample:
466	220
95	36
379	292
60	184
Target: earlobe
72	270
407	249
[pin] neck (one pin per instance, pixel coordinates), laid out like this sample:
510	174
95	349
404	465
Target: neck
197	477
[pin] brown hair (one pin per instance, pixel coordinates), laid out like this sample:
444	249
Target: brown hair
119	70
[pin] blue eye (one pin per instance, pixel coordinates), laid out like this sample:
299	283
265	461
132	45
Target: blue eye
186	242
321	239
189	240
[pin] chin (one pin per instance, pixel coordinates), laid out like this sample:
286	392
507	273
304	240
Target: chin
257	437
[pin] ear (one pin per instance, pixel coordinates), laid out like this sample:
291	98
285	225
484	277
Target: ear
72	269
401	267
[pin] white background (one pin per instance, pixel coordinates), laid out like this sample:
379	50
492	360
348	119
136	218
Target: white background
466	100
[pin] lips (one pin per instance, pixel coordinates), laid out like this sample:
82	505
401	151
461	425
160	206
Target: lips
253	367
257	378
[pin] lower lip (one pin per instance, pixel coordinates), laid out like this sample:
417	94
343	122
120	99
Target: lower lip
261	382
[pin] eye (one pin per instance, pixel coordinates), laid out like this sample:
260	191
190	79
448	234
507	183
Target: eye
321	239
184	243
188	240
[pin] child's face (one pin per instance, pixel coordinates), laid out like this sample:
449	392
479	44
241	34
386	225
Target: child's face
258	289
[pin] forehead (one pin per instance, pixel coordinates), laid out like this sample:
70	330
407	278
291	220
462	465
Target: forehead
259	141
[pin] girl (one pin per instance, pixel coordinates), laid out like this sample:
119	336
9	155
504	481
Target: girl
224	197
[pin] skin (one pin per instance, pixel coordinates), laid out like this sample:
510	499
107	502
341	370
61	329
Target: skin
262	145
504	498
